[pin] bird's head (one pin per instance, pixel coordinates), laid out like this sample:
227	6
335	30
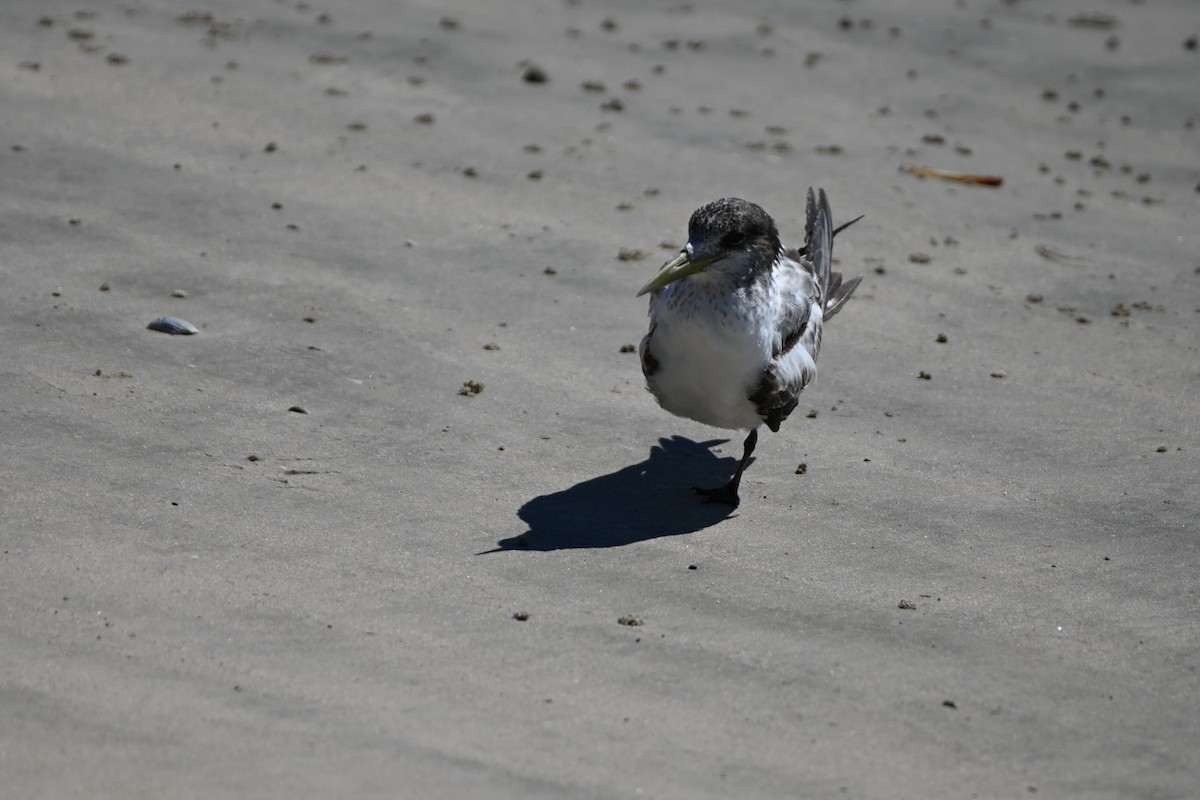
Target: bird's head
730	235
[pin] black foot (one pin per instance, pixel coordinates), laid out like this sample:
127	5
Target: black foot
726	495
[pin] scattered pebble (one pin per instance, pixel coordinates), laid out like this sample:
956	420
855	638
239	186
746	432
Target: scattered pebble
535	74
630	254
174	326
925	376
471	388
628	348
632	620
802	468
1098	20
907	605
919	258
298	410
521	616
178	293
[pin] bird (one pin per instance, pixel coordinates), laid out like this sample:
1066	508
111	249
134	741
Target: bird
736	320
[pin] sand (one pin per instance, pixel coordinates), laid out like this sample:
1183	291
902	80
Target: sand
403	591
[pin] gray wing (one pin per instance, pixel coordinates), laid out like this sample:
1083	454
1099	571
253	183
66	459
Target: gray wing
778	390
812	283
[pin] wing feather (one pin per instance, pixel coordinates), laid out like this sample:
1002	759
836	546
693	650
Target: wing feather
809	291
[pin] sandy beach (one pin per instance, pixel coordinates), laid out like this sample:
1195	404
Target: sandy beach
401	519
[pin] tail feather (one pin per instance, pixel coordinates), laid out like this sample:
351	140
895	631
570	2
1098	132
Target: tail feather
818	248
838	297
818	235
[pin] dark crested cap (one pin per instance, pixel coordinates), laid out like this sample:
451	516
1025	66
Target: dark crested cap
729	218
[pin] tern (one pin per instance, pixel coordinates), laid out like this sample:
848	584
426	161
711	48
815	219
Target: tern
736	319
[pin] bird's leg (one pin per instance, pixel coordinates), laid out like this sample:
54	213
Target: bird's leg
728	494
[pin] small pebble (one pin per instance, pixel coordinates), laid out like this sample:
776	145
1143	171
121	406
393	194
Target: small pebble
174	326
179	293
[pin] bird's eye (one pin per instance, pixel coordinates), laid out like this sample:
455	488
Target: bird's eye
734	239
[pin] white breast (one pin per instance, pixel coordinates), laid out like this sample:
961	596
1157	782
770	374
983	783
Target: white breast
710	356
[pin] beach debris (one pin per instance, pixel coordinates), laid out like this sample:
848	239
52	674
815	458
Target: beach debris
471	388
174	326
298	410
326	59
1098	20
521	616
630	620
948	175
535	74
1052	253
907	605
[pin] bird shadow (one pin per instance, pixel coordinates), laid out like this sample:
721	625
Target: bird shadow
642	501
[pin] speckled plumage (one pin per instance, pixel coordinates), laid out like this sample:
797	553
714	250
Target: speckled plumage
733	343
